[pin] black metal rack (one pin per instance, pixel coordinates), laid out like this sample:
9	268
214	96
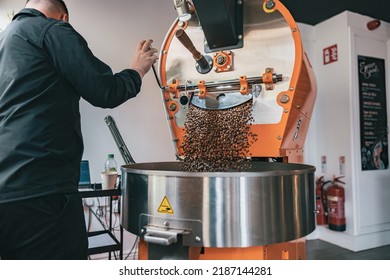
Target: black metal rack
104	241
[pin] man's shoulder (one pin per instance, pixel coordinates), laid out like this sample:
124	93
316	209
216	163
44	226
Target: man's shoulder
61	30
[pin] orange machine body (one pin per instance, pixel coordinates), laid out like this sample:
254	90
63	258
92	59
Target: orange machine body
294	97
282	110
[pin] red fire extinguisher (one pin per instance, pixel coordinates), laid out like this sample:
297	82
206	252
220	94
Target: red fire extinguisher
321	201
335	203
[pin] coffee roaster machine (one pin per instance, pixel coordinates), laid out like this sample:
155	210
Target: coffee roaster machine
219	54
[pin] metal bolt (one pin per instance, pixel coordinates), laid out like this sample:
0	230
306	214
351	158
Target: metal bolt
166	224
172	106
284	98
291	88
198	239
279	137
220	59
270	5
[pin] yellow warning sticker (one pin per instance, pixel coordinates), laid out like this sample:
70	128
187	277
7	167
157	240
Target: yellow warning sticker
165	206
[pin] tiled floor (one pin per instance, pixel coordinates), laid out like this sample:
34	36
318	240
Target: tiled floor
321	250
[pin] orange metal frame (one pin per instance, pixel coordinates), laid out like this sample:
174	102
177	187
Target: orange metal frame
286	138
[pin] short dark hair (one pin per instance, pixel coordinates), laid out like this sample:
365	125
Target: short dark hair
57	5
63	6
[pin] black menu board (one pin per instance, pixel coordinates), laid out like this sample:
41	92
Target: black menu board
373	113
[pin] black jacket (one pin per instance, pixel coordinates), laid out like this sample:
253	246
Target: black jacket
45	67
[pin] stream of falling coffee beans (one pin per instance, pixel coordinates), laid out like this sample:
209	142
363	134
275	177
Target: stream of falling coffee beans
218	140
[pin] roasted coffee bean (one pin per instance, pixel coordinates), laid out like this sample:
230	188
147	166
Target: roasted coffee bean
218	140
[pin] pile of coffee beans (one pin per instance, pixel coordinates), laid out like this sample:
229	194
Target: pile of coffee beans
218	140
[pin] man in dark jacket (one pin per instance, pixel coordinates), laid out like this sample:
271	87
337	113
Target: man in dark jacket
45	68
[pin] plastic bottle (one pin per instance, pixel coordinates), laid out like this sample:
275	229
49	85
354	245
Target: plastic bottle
110	164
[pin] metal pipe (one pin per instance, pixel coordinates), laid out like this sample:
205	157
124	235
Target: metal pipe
234	82
118	140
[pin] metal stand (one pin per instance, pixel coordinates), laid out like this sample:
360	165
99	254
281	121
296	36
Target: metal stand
103	241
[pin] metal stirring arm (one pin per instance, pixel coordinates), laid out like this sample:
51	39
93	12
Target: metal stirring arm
118	140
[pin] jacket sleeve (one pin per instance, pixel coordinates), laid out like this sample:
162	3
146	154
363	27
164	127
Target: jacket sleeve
91	78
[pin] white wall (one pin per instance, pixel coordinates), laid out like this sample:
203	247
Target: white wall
338	131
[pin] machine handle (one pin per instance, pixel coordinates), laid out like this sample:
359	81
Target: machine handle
204	63
164	238
186	41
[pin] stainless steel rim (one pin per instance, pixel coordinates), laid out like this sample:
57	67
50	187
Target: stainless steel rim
257	169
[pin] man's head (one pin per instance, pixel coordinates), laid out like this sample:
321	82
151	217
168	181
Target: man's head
50	8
